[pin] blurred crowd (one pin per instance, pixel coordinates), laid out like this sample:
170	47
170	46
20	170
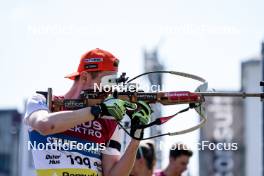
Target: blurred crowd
179	156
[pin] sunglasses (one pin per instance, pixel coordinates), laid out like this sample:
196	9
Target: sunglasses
140	153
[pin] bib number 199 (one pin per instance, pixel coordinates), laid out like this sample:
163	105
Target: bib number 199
79	160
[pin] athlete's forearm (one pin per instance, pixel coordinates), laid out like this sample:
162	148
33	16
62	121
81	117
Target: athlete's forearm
51	123
125	164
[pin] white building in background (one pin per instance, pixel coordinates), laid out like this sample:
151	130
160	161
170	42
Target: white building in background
245	127
251	77
9	136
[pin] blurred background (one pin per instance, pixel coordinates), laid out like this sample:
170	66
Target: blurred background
221	41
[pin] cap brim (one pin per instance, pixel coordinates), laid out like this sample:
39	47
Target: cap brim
72	76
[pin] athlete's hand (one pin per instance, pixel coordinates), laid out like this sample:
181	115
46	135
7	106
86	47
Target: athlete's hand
140	117
115	107
143	113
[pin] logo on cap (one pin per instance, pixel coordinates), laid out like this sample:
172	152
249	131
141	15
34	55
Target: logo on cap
90	66
94	60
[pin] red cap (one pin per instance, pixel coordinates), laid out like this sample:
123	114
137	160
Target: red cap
96	60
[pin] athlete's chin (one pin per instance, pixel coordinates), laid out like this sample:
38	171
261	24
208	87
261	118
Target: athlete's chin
132	174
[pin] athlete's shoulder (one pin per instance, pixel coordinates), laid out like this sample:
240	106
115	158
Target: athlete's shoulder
34	103
37	98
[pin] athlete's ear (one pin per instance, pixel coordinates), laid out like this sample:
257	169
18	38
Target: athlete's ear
84	76
142	161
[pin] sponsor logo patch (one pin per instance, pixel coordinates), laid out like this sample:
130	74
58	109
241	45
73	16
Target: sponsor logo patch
94	60
91	66
73	104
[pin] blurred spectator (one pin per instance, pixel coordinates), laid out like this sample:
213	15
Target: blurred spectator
145	160
179	159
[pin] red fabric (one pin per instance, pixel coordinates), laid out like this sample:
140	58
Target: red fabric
159	173
99	131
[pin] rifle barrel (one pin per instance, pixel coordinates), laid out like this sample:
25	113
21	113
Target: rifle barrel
231	94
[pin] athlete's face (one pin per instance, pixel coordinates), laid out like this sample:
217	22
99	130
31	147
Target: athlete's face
180	163
140	168
89	82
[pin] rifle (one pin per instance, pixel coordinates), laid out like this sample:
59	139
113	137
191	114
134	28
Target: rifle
195	100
